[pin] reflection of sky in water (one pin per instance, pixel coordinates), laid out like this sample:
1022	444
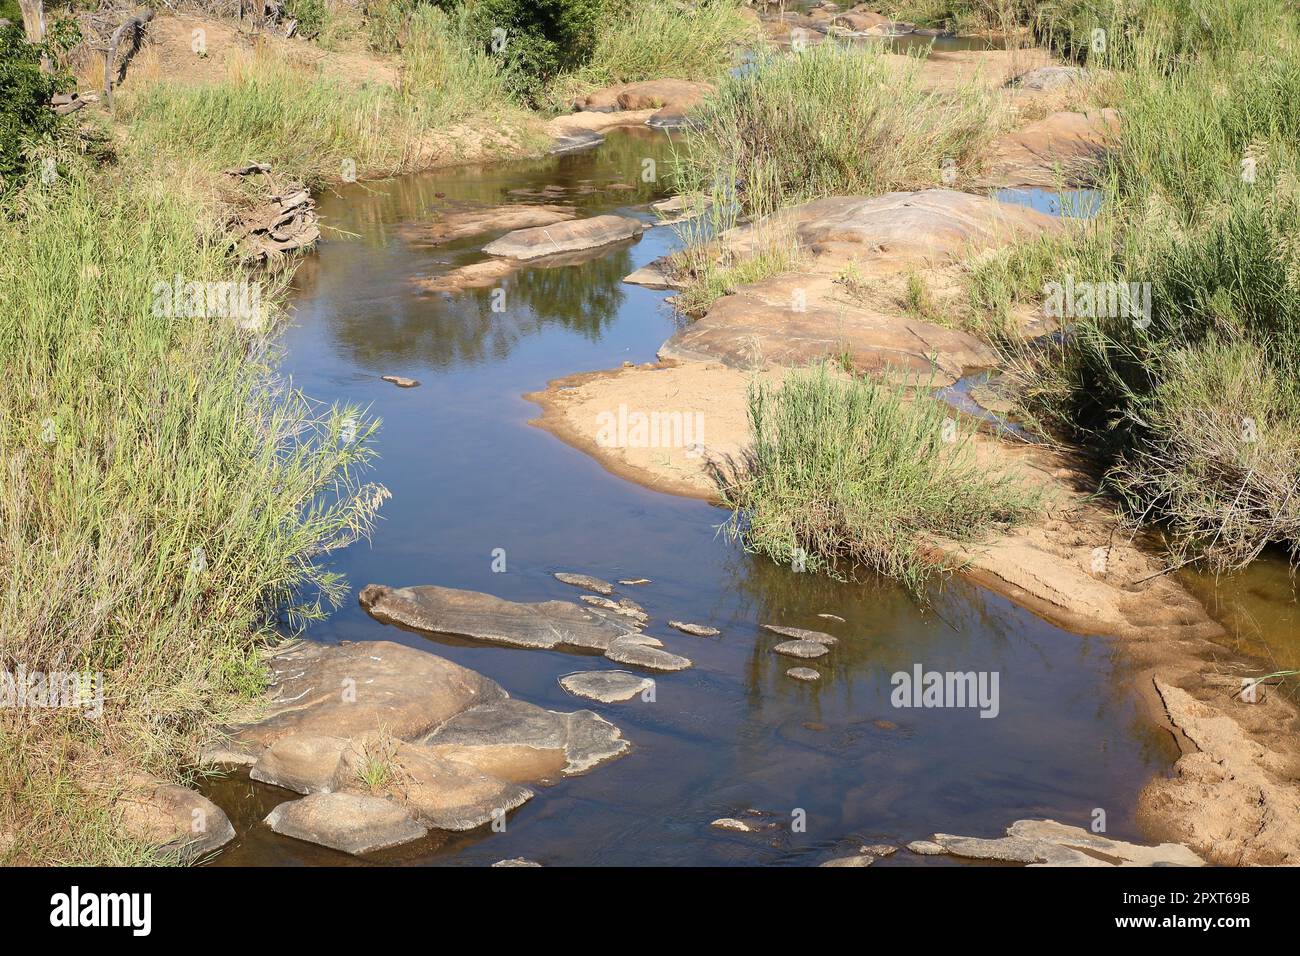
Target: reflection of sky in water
468	474
1075	203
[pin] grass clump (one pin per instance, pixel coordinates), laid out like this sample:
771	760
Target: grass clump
166	502
851	471
833	120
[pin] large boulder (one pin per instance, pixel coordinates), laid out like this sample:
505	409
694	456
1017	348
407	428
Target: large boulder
573	236
174	819
351	822
350	690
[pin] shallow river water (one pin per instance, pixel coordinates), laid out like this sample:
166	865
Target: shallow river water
469	475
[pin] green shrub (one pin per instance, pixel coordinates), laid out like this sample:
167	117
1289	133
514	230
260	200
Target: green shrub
25	92
536	40
312	16
853	471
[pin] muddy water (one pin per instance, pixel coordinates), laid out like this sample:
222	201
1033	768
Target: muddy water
469	475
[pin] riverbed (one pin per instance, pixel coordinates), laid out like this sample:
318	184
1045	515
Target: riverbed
469	475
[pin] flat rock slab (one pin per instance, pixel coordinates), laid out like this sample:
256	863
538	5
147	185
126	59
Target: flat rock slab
498	735
306	763
585	581
803	674
636	654
464	223
516	861
804	649
802	634
544	625
351	822
1062	149
862	859
608	687
349	690
622	607
564	237
652	276
1048	843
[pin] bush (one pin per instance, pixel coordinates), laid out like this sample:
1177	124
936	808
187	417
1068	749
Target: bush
536	40
25	92
312	15
852	471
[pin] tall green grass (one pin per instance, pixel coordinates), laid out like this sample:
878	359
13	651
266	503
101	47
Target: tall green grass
166	500
1193	415
854	472
832	120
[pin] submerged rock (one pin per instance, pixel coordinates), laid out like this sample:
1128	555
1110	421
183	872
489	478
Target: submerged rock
862	859
806	649
400	381
516	861
608	687
804	674
463	223
351	822
698	630
564	237
585	581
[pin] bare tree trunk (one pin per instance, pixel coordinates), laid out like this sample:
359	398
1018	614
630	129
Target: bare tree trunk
33	19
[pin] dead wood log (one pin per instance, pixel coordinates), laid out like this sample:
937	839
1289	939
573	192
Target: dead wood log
136	25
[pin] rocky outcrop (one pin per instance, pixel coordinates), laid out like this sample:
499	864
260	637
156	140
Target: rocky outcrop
565	237
388	742
1064	149
1048	843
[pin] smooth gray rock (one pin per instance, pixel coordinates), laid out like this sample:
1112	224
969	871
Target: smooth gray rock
585	581
804	649
862	859
351	822
624	651
926	848
608	687
516	861
698	630
564	237
804	674
306	763
802	634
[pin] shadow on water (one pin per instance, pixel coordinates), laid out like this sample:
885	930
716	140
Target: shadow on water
733	733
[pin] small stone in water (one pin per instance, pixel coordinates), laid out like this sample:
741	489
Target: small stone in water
624	607
608	687
862	859
803	673
400	381
517	861
926	848
585	581
802	634
699	630
635	581
731	823
833	617
885	724
801	649
880	849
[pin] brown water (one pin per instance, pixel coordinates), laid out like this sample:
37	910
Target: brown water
468	474
1258	606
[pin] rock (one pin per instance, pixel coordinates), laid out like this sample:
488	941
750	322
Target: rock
515	740
575	140
679	209
805	649
171	818
445	793
644	94
608	687
352	822
1048	843
804	674
880	849
926	848
622	607
585	581
731	823
624	651
1063	149
634	581
1048	78
652	277
698	630
802	634
401	382
349	690
564	237
306	763
862	859
833	617
545	624
463	223
516	861
476	275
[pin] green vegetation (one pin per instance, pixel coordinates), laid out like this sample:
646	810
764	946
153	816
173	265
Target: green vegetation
832	120
852	471
25	93
1193	413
